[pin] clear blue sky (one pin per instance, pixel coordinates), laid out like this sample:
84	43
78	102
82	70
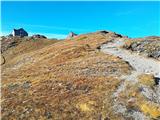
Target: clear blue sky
57	19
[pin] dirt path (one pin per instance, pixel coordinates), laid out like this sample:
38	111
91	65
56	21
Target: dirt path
140	64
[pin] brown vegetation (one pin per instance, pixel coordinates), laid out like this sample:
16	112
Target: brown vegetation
66	80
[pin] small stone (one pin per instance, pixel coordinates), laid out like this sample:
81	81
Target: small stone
48	115
27	84
131	101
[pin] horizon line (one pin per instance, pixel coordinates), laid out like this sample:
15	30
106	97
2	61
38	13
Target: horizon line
63	36
80	0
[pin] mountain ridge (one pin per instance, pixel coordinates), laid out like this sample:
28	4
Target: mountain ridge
75	79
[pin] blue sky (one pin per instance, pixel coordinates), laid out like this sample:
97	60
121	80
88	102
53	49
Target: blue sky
57	19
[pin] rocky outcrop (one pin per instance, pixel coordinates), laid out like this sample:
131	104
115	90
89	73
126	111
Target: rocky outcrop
111	34
71	35
19	32
39	36
149	46
8	42
103	32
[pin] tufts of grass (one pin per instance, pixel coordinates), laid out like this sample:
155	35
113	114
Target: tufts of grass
147	79
150	108
67	80
82	38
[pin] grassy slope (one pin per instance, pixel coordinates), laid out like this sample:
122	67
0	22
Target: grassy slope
23	46
67	80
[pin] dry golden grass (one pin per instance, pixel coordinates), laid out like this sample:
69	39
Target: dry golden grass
66	80
147	79
133	98
127	43
25	46
150	108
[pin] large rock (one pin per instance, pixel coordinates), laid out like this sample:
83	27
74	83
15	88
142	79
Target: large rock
38	36
71	35
19	32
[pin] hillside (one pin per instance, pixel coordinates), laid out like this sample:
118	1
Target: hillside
77	79
14	46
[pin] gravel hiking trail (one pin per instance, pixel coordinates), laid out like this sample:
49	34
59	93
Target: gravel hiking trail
140	65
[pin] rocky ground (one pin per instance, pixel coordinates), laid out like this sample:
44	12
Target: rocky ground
140	63
148	46
86	77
